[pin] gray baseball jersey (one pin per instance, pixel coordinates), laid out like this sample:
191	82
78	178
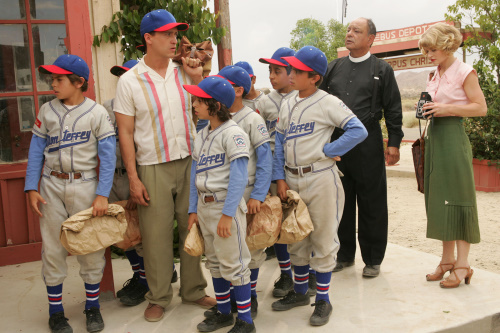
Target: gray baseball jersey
72	134
255	128
213	152
269	107
251	103
308	124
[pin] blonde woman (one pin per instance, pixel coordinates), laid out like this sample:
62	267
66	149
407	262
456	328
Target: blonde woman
450	196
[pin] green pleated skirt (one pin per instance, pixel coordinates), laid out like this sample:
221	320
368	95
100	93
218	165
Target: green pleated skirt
450	194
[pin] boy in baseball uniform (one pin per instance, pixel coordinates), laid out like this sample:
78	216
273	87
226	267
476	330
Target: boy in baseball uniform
254	95
70	132
219	177
305	161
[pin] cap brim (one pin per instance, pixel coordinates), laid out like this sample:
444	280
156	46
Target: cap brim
296	63
271	61
179	26
196	91
52	69
118	70
225	78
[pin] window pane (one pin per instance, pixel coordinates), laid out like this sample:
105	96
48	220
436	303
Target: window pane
17	117
47	9
15	66
42	99
48	44
12	10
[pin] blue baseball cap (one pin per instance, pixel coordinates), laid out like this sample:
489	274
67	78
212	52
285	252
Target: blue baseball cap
309	58
246	66
67	64
276	57
238	76
213	87
160	20
119	70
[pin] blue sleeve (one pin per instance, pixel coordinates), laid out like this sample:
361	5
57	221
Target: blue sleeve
106	150
264	172
35	163
355	132
238	180
279	157
193	192
201	124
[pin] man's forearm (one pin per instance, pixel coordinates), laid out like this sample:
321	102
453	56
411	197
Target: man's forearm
127	150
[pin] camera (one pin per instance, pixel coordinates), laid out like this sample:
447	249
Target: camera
424	98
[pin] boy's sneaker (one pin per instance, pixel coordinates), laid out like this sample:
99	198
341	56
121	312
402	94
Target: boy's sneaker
135	296
175	277
242	326
94	320
291	300
234	309
253	307
321	314
283	285
312	285
128	285
216	321
59	324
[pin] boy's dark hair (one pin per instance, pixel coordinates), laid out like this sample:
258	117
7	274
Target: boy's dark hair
311	74
152	33
73	78
222	113
288	69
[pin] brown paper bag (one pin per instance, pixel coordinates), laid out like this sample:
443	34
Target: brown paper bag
132	235
82	233
264	227
194	244
297	223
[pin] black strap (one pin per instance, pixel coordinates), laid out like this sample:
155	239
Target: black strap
376	80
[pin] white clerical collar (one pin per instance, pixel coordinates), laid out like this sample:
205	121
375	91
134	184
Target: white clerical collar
360	59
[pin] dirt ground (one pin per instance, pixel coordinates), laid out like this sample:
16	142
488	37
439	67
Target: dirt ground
407	223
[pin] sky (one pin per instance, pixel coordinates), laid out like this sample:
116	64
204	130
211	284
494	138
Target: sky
260	27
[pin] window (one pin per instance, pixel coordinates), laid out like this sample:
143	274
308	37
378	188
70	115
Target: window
32	33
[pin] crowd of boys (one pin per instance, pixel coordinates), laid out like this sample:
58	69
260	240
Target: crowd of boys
245	145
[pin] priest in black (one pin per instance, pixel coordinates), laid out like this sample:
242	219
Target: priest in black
368	87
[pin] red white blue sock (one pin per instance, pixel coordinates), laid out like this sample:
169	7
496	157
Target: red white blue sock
254	275
92	293
323	286
301	279
142	272
221	288
243	302
283	257
55	299
134	260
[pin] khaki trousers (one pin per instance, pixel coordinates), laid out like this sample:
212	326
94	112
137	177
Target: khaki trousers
168	188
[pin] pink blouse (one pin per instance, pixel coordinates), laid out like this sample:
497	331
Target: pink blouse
449	88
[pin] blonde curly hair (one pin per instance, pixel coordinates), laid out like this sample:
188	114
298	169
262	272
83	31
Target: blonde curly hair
440	36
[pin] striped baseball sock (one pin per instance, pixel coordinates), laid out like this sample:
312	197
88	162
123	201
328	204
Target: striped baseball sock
243	301
301	279
221	288
323	286
55	299
142	272
283	258
92	292
254	275
134	260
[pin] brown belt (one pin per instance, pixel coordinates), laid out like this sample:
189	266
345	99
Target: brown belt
295	171
63	175
208	199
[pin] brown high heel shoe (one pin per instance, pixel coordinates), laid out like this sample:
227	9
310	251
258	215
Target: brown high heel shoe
439	276
455	283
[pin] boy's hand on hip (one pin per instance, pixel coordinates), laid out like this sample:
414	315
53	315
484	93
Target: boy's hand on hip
100	206
282	187
253	206
192	219
138	192
34	198
224	226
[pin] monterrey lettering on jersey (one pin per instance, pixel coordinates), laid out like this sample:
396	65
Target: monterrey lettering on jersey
68	136
298	130
210	162
271	126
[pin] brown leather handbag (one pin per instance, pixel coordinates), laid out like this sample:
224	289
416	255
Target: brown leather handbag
202	51
418	152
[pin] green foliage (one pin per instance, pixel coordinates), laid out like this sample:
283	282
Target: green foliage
483	132
125	25
313	32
